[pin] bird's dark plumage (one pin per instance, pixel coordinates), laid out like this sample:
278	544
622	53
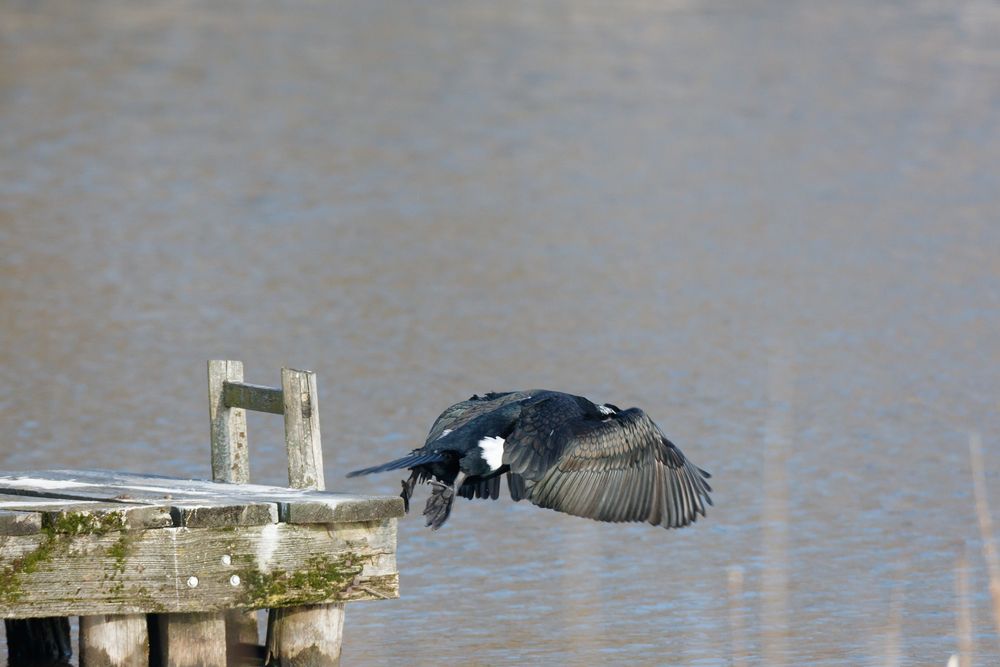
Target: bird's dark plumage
558	451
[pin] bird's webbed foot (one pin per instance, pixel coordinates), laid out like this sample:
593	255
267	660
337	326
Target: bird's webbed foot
438	507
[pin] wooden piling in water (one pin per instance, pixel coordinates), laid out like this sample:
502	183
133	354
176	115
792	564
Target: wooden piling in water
114	640
193	640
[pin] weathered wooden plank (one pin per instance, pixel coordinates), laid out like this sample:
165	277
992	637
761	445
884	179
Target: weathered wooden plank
15	522
230	450
193	640
340	508
302	434
63	515
253	397
201	514
195	569
114	641
192	509
294	505
29	503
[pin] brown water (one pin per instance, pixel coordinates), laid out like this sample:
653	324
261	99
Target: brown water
772	225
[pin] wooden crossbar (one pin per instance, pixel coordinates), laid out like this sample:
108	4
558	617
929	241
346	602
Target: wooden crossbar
253	397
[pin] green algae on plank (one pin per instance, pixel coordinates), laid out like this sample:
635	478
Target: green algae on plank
85	523
11	576
321	578
58	531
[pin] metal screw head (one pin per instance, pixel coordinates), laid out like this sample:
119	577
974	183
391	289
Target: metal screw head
192	582
234	580
227	560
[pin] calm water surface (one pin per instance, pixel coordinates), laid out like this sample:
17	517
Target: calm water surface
773	225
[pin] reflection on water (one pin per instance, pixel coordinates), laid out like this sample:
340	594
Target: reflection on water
648	203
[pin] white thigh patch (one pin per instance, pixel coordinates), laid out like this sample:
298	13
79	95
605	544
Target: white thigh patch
492	449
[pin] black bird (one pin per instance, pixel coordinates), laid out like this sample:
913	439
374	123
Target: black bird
559	451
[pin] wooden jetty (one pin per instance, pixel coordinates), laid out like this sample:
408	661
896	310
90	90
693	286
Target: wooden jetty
168	571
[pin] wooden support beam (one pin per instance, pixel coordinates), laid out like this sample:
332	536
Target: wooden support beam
179	570
114	641
304	636
193	640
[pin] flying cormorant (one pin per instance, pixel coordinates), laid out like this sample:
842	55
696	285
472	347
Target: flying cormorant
559	451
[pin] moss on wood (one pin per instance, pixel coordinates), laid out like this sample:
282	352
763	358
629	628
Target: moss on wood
12	575
58	531
85	523
322	579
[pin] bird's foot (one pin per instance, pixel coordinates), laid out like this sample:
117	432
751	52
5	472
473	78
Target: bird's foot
438	507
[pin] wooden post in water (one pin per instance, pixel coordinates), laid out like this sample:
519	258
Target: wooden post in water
231	464
114	641
193	640
304	636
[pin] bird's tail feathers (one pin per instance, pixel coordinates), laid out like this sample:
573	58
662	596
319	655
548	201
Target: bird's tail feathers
412	459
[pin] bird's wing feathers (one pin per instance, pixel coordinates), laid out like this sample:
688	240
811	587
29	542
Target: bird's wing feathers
516	486
530	449
621	469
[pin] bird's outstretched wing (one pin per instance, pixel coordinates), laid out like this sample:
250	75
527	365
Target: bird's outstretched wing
617	468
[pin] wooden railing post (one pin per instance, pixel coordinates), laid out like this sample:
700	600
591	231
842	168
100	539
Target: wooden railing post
302	436
308	636
230	455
